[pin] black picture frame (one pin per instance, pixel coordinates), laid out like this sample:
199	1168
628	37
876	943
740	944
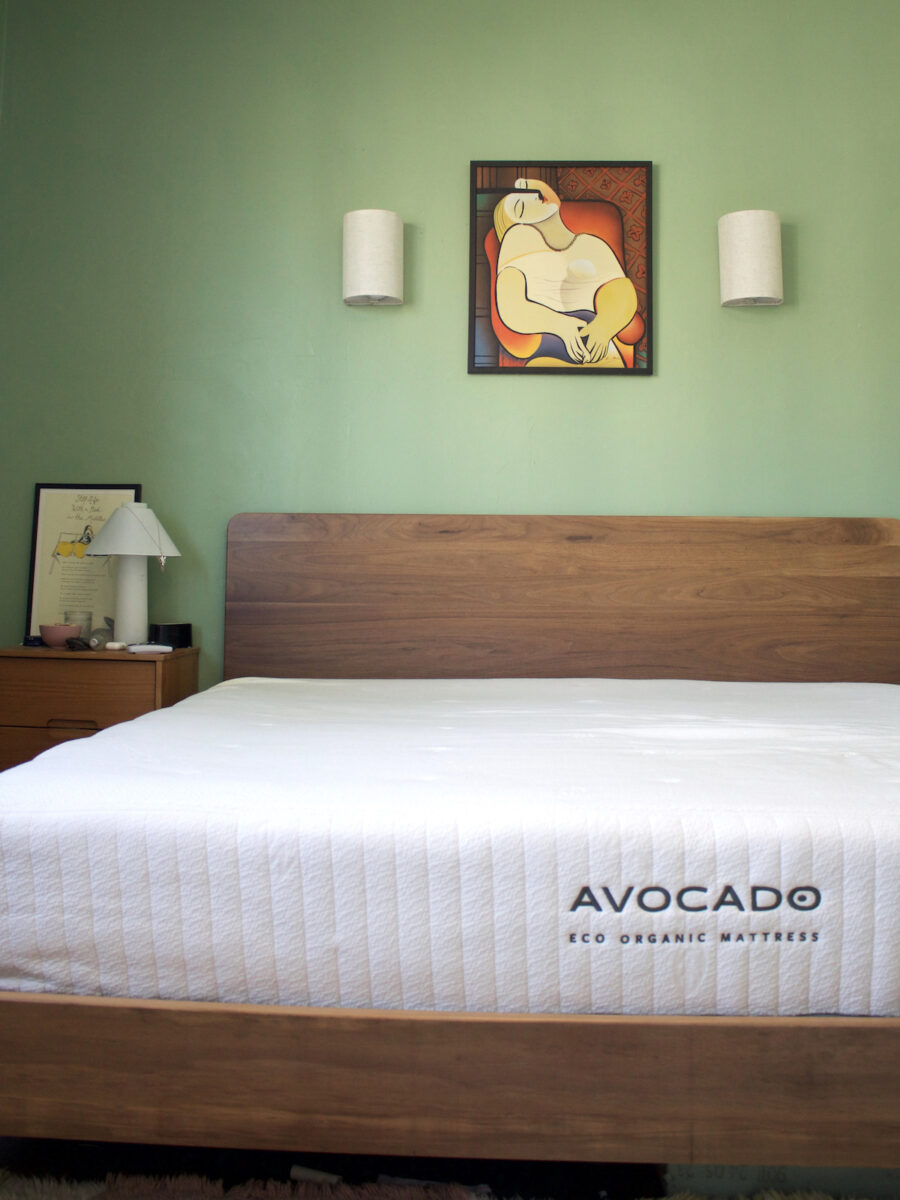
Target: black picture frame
606	209
66	517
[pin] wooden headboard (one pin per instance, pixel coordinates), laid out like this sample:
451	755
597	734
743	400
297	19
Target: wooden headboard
356	596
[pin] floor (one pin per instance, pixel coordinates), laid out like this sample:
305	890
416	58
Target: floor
530	1181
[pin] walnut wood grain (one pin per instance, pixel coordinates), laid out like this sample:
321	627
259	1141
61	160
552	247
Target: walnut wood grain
347	595
679	1089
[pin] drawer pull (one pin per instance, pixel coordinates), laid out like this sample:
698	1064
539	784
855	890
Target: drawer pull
79	723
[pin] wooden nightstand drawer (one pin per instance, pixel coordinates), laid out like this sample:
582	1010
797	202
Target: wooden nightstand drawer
18	745
74	692
48	696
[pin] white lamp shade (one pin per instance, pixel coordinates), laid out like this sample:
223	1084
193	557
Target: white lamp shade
373	257
134	529
750	258
133	533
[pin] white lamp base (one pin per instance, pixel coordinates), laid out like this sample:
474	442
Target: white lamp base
131	599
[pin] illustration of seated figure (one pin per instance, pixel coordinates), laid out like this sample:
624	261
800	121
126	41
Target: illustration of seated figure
568	287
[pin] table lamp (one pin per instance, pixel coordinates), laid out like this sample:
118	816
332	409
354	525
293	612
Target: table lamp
133	533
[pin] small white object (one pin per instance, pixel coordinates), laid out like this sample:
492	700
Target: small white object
148	648
750	258
116	646
373	257
301	1174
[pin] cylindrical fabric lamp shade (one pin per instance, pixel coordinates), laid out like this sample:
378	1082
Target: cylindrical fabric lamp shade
750	258
373	257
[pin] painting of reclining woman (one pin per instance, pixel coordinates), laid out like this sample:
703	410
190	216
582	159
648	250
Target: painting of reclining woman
560	268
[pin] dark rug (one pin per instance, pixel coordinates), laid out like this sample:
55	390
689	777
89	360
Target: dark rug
488	1178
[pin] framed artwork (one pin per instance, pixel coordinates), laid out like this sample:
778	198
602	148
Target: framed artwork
67	585
560	268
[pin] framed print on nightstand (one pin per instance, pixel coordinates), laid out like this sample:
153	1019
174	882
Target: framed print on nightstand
68	586
560	268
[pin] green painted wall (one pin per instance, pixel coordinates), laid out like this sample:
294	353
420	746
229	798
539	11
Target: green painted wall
173	175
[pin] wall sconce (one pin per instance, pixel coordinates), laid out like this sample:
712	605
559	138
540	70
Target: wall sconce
750	258
373	257
133	532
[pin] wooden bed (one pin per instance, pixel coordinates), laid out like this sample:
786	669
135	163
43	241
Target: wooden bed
409	596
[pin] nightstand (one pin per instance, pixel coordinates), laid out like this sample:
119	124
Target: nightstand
52	696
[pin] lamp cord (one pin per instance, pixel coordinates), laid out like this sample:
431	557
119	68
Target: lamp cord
155	537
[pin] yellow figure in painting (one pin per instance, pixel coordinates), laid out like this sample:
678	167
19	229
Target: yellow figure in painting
569	287
65	547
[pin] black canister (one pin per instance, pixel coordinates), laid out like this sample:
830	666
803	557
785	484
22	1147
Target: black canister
176	635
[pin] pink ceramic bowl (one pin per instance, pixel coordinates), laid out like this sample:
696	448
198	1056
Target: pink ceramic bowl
55	635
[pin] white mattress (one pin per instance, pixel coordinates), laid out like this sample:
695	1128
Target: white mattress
497	845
